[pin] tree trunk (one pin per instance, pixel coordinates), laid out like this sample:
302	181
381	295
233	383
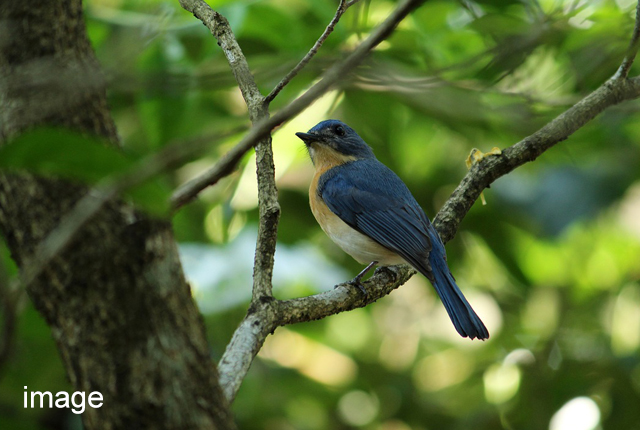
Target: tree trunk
116	299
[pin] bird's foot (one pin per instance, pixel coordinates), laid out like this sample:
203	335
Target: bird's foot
475	156
356	282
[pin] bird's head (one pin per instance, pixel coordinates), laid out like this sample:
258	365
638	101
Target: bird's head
333	142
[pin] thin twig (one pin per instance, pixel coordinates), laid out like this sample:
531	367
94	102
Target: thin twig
219	27
627	62
342	8
230	160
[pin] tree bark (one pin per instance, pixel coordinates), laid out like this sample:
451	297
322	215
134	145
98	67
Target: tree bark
117	302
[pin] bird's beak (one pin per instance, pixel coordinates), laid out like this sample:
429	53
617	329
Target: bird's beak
307	138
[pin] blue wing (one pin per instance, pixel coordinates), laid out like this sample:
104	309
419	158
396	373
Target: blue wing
372	199
382	209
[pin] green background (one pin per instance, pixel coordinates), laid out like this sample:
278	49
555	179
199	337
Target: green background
551	263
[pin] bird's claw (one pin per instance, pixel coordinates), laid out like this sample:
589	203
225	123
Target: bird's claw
355	282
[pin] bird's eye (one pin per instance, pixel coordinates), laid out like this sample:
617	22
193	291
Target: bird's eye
340	131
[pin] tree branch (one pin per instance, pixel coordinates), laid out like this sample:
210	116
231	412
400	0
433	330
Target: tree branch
344	297
446	223
342	8
481	175
220	29
266	313
258	111
230	160
245	344
269	209
252	326
262	318
623	71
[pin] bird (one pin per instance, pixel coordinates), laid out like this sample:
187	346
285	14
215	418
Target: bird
369	212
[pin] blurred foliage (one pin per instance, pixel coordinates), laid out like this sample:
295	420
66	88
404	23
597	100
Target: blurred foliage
552	263
63	153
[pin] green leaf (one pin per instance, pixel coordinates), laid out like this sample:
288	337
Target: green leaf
152	196
65	154
59	152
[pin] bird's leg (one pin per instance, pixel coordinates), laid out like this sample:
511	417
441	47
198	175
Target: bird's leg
356	281
476	156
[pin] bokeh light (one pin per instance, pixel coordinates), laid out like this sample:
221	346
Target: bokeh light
580	413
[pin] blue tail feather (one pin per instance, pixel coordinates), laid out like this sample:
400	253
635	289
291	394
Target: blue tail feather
464	318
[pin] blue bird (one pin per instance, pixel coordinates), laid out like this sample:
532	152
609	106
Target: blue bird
366	209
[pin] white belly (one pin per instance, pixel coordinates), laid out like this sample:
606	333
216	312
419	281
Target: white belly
363	249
